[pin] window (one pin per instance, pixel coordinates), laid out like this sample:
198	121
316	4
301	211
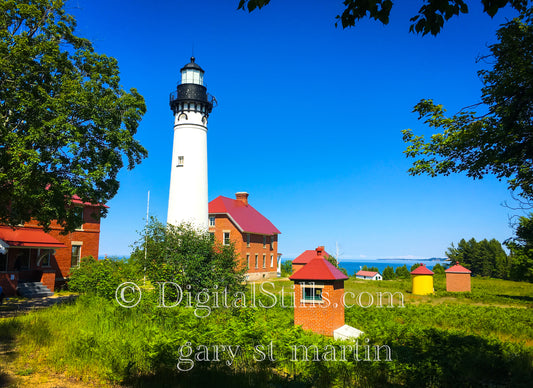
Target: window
23	260
271	261
247	261
271	242
311	293
3	262
212	236
44	258
264	260
180	161
75	255
212	221
264	241
256	260
226	238
248	240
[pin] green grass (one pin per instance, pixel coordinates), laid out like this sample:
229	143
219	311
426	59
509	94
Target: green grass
482	337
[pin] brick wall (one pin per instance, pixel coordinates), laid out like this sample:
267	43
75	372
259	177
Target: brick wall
320	318
458	282
224	224
48	278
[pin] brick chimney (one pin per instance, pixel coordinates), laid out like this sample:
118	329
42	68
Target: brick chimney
319	251
243	197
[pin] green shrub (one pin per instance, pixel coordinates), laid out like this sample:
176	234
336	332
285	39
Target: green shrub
187	256
100	277
286	268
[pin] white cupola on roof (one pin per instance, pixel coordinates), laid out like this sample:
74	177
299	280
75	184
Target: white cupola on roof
191	73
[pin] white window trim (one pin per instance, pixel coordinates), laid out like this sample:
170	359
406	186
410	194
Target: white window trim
79	244
224	237
313	286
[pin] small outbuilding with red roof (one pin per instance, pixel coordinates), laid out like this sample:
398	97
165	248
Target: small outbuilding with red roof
368	275
422	278
319	296
458	279
254	236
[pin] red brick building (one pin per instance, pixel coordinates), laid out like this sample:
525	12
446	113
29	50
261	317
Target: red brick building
254	236
458	279
318	296
28	254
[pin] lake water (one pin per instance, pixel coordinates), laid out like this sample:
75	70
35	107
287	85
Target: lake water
353	266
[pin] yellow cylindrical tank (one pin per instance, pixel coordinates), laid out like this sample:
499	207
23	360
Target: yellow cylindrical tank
422	280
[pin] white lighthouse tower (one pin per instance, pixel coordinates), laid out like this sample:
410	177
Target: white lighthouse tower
191	105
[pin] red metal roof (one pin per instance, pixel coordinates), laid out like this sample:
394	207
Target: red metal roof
457	268
77	200
28	237
318	269
366	273
245	217
307	256
422	270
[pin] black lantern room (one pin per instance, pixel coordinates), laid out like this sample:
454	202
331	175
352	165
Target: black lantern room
191	94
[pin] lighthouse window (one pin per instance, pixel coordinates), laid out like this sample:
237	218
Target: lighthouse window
180	161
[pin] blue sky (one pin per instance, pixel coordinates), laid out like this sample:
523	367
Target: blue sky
309	120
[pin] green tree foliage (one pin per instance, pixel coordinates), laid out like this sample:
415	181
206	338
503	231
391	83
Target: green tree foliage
188	257
438	269
429	20
65	122
286	268
498	142
483	258
371	269
100	277
388	273
334	261
402	272
521	248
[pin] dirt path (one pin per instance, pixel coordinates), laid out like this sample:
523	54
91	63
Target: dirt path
16	306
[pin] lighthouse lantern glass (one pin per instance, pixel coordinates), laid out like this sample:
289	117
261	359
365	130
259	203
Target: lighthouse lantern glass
192	76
